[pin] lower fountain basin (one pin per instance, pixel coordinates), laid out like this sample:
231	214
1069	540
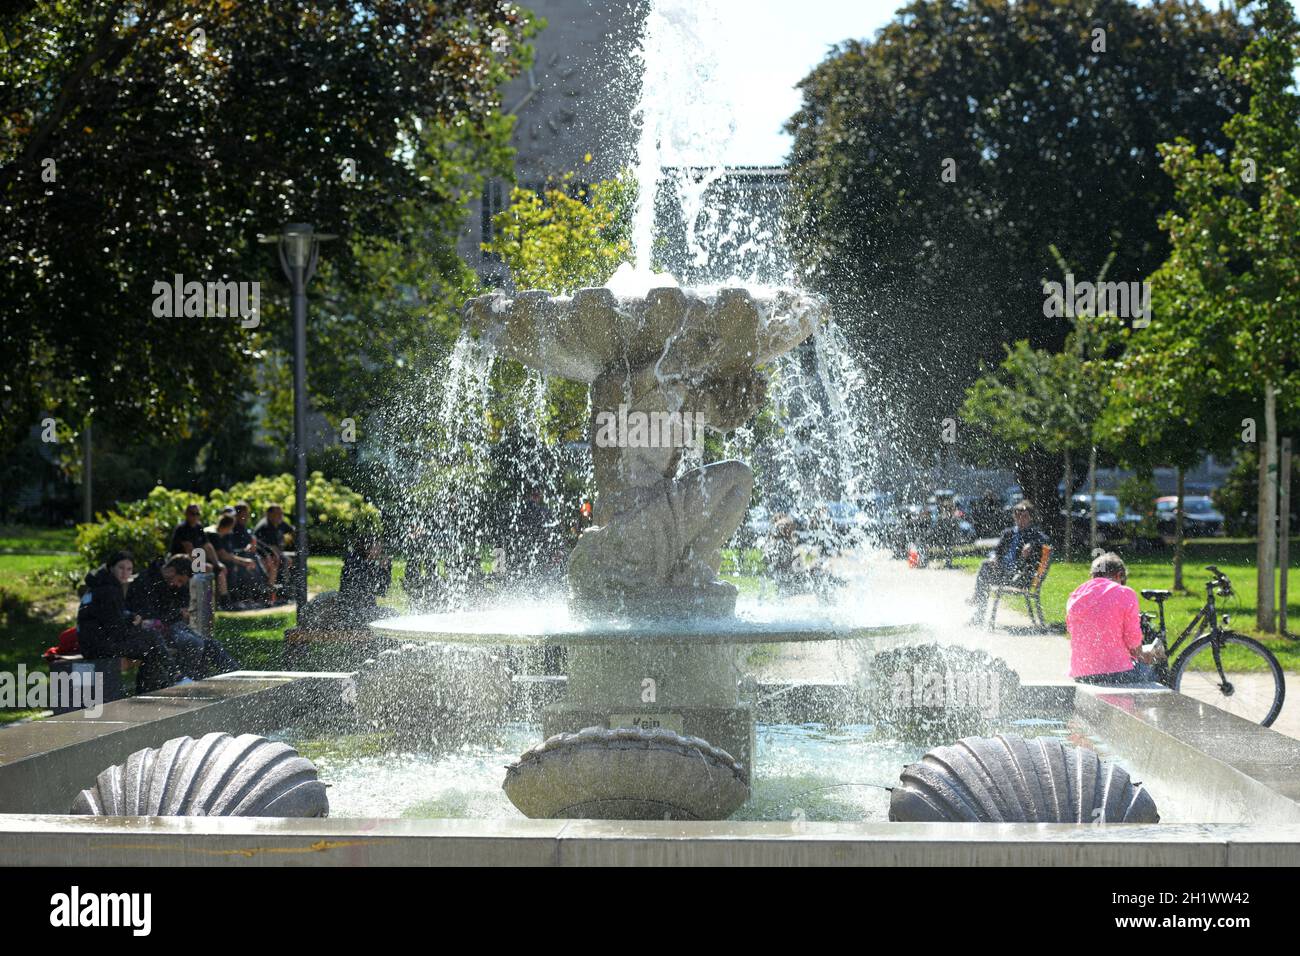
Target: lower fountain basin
1227	789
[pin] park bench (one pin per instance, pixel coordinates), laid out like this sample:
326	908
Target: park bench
84	671
1031	592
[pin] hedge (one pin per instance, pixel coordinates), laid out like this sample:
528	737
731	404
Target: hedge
144	527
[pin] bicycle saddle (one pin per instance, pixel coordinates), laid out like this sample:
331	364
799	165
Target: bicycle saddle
1155	595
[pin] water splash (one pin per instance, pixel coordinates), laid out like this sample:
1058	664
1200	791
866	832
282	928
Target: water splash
684	117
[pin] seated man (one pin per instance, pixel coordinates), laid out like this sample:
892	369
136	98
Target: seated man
1013	562
1105	630
190	537
106	628
269	534
246	580
160	595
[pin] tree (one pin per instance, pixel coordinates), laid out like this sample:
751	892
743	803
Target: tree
459	474
561	242
1232	279
1051	129
140	141
1038	399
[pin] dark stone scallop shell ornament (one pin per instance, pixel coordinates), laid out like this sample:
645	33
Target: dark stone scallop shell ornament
626	773
215	776
1008	779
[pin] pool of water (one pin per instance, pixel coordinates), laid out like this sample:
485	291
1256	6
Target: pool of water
805	771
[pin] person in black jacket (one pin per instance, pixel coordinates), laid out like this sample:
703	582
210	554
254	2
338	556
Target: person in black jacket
367	574
106	628
160	592
161	596
1014	560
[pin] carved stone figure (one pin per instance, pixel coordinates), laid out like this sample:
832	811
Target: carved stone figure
657	365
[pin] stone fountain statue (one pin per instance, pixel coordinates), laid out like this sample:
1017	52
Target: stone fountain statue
661	368
652	722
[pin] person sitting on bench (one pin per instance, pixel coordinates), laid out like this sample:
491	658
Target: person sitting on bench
1014	561
160	594
190	537
1105	628
247	580
367	574
106	628
269	534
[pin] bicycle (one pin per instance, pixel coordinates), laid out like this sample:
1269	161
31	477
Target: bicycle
1203	677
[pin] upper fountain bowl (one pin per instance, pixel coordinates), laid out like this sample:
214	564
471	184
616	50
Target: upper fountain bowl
687	333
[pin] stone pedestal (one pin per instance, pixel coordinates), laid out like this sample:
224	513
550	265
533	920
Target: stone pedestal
688	689
202	602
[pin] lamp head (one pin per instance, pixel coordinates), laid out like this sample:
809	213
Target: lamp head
295	240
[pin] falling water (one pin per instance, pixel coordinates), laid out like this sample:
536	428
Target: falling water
482	438
683	113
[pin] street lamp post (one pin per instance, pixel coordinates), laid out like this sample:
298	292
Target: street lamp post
299	248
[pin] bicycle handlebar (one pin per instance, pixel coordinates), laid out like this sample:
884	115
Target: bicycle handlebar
1220	581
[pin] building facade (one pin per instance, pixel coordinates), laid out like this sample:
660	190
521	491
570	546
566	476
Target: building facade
573	109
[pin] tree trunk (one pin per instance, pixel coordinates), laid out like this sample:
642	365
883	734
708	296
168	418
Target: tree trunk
1179	532
1284	535
1069	518
1266	553
1092	499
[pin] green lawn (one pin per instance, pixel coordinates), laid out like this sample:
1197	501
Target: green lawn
36	594
38	600
21	539
1235	558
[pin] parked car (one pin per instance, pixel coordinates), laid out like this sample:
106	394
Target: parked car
1200	517
962	530
878	517
1113	522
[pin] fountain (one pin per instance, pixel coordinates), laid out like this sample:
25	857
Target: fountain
651	630
654	715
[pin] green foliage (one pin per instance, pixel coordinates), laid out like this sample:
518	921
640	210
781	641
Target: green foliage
559	241
1044	132
1035	398
144	527
144	537
369	338
1136	494
335	510
1238	496
1229	316
171	157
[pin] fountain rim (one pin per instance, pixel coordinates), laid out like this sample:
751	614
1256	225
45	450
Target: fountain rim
646	632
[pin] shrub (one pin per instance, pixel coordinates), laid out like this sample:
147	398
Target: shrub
144	526
142	536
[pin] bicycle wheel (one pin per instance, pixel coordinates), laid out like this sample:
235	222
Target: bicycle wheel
1255	694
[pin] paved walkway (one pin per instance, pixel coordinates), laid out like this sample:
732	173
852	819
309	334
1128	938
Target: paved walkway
937	598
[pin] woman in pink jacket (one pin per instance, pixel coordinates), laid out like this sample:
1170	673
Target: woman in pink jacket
1105	631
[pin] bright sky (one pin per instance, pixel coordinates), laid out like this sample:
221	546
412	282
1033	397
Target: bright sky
777	43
